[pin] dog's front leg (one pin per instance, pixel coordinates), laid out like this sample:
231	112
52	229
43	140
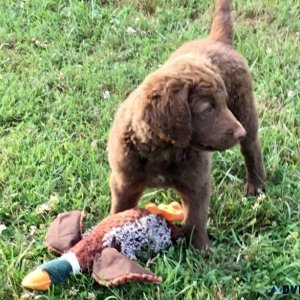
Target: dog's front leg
195	201
125	195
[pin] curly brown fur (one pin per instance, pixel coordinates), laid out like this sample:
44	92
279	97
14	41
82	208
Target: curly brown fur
199	101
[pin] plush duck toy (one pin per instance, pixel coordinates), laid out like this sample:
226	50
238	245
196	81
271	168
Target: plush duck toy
109	248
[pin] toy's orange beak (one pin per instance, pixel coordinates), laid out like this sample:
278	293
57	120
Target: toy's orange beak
171	212
37	280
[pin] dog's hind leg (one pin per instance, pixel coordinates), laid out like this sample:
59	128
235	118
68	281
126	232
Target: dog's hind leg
251	150
245	111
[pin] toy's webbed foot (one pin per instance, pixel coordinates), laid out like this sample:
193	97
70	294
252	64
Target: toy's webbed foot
113	268
171	212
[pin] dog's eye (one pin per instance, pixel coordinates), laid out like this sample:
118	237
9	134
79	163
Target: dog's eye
202	107
207	108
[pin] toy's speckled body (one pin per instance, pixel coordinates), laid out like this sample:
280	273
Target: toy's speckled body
121	231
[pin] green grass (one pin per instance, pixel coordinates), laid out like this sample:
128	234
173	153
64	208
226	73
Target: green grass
57	58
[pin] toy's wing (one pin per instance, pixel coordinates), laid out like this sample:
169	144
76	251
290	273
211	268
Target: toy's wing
113	268
65	231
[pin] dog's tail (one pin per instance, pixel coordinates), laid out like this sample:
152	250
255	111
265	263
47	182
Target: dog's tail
222	29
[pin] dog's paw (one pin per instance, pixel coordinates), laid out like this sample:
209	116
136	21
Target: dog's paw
201	242
254	189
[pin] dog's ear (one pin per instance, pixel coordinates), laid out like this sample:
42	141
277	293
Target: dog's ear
167	111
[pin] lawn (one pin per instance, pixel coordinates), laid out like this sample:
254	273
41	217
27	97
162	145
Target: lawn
65	66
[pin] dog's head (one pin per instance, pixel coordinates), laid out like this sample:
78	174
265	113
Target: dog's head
184	103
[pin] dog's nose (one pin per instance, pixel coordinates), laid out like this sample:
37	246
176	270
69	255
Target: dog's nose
240	133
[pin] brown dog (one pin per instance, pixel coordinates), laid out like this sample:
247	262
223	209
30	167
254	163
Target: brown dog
199	101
